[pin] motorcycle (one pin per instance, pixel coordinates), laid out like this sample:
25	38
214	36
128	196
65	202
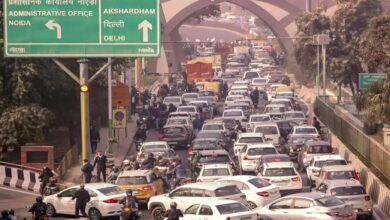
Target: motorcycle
52	187
130	213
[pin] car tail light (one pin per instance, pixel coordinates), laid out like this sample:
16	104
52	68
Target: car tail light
199	180
326	175
333	213
161	137
305	122
147	187
367	198
110	201
190	152
266	179
296	179
247	158
292	147
263	194
355	175
184	135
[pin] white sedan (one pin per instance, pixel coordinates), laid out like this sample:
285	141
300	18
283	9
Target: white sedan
212	172
258	192
104	201
217	210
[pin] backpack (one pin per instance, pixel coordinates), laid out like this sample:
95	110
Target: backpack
41	209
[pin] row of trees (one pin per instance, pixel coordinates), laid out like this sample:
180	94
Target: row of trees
360	42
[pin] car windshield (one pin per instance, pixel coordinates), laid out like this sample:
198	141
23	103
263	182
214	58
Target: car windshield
330	201
176	121
190	96
251	140
251	75
214	159
322	163
259	80
231	208
294	115
267	130
305	131
261	151
207	93
287	171
216	172
348	191
131	180
231	98
172	99
173	130
154	146
259	183
274	109
205	145
276	159
260	118
300	140
215	135
227	191
320	149
212	127
186	109
156	153
111	190
232	114
337	175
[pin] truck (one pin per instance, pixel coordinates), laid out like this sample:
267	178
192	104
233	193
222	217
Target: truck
199	71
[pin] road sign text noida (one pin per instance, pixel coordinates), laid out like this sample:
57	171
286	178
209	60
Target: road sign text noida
82	22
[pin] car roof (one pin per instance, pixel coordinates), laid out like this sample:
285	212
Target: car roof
206	185
211	152
216	202
266	123
304	126
312	143
179	117
261	145
279	164
155	143
275	105
174	125
135	173
280	99
250	134
260	115
294	112
232	110
216	165
239	178
310	195
97	185
172	97
338	168
342	183
205	139
184	106
198	101
328	157
190	93
274	156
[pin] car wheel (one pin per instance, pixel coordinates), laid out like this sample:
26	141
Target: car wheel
50	211
94	214
251	205
158	213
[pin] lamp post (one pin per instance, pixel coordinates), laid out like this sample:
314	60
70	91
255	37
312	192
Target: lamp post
323	40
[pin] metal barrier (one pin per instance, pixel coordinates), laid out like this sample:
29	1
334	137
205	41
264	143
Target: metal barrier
371	152
71	158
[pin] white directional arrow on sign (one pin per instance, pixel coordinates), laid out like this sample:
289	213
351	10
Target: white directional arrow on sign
145	26
52	25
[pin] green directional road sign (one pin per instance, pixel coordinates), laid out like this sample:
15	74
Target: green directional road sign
81	28
366	79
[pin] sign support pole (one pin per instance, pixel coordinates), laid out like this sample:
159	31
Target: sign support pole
136	73
109	73
324	69
318	70
129	83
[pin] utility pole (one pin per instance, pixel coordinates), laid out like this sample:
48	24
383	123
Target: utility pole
109	73
84	102
308	5
323	40
324	69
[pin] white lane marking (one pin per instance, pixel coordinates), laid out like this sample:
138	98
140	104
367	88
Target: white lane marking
19	191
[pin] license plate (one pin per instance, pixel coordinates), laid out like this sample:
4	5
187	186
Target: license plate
172	142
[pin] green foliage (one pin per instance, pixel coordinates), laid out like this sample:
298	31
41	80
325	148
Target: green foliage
209	11
374	45
309	24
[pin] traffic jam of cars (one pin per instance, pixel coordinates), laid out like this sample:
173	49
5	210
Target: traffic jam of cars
257	155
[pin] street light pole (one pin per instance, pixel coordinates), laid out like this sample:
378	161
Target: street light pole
318	70
324	68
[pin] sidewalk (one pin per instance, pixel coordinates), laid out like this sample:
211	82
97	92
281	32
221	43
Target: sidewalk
119	151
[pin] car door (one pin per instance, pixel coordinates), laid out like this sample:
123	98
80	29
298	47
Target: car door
301	209
191	212
241	155
182	197
64	203
281	209
205	213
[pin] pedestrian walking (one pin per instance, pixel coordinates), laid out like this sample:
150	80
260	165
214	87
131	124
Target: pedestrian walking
94	138
174	213
82	198
87	170
100	163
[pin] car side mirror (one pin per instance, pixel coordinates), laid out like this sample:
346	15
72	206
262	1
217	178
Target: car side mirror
59	195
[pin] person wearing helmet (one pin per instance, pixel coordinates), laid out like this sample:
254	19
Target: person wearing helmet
38	209
149	162
134	165
130	206
174	213
45	176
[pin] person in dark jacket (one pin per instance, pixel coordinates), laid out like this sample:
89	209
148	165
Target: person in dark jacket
100	162
255	97
316	124
94	138
4	215
82	198
131	203
45	176
149	162
38	209
174	213
87	170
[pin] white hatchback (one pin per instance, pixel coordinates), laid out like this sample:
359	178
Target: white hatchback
247	138
258	192
251	152
104	201
212	172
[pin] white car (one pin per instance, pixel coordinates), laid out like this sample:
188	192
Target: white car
104	202
351	192
270	130
214	126
257	118
212	172
249	75
193	193
154	145
186	121
236	114
247	138
260	82
317	162
174	100
217	210
282	174
258	192
251	152
296	116
305	130
192	110
231	99
188	97
241	83
239	92
275	111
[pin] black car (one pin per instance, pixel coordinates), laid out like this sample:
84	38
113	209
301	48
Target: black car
294	145
177	135
223	137
201	144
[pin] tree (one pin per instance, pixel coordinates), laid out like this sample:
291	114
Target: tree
209	11
374	45
347	25
309	24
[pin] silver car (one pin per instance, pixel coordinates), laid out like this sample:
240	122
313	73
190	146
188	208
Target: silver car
305	206
104	201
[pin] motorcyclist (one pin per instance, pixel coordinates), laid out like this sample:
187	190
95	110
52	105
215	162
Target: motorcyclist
130	206
134	165
179	171
171	108
174	213
38	209
113	174
149	162
45	176
316	124
140	134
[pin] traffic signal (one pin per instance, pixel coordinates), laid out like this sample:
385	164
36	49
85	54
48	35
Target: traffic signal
84	88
